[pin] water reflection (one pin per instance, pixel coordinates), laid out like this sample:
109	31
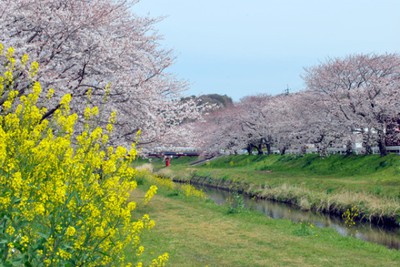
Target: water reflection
389	237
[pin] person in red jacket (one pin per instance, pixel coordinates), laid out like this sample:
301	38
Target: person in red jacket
167	161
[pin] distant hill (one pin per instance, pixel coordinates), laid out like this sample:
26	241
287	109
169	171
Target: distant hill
219	101
222	101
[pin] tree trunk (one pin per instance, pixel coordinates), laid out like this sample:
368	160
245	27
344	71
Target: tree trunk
349	148
283	150
259	149
322	151
249	149
368	149
303	150
382	147
268	146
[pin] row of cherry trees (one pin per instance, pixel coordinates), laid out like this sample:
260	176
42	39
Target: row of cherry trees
102	54
345	99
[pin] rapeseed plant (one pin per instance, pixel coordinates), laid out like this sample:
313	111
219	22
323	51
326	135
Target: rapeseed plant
350	216
64	197
190	190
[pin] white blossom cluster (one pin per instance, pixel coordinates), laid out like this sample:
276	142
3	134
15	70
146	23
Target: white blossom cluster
104	55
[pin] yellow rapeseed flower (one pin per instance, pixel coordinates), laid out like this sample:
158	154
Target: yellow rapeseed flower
50	93
69	192
24	241
70	231
150	193
24	59
10	230
139	251
66	99
34	69
10	53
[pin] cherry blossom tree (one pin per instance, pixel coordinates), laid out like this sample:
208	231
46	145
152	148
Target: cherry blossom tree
103	54
363	90
250	124
258	122
283	121
316	125
222	130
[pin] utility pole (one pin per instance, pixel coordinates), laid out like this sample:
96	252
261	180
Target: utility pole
287	90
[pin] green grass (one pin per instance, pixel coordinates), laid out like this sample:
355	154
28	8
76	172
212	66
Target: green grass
331	184
371	174
197	232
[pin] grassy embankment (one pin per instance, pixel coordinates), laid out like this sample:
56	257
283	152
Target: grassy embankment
333	184
197	232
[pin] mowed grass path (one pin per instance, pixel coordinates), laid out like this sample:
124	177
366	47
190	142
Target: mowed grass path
197	232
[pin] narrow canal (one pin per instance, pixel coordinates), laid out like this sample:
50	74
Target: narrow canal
387	236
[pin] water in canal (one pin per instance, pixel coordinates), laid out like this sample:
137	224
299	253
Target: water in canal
389	237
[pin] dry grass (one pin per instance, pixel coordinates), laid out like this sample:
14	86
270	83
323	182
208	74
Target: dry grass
371	207
145	167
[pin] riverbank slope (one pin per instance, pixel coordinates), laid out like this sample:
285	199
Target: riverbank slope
368	184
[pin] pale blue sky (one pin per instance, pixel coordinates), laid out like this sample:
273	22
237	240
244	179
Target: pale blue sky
247	47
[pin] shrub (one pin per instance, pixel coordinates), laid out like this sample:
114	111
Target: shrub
64	197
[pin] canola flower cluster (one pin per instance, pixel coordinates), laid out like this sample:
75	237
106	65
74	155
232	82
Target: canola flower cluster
186	190
190	190
64	197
